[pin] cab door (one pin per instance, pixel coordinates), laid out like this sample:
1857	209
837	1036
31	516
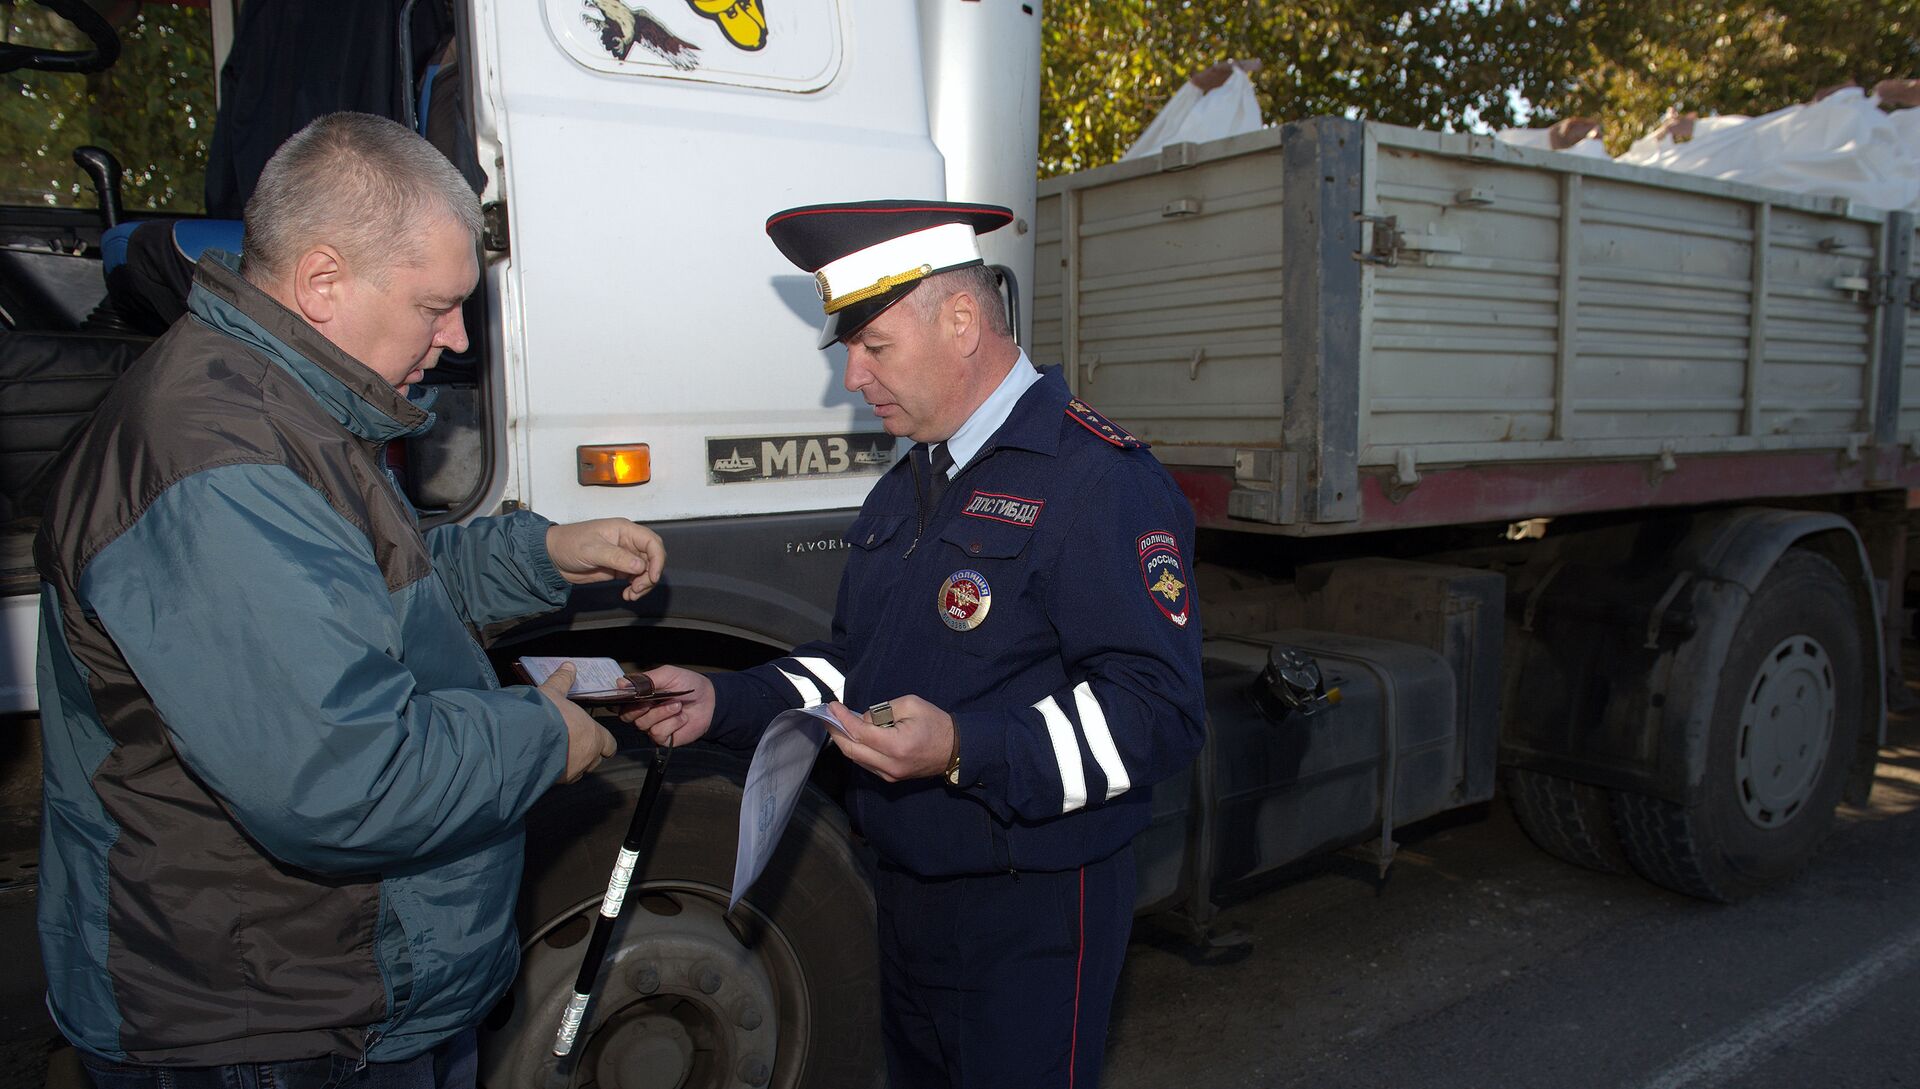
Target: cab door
642	151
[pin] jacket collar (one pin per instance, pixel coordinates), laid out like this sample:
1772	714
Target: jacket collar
360	400
1034	423
973	435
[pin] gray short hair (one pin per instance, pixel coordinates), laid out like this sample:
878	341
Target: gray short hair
978	281
363	184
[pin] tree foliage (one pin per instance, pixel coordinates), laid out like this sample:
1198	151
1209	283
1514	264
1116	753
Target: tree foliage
153	109
1109	65
1740	58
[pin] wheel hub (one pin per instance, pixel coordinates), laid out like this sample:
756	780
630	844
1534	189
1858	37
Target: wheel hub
681	1004
1786	727
654	1048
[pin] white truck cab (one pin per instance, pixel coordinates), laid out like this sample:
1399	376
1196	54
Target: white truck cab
630	298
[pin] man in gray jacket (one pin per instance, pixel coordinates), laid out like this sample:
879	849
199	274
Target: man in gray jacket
282	834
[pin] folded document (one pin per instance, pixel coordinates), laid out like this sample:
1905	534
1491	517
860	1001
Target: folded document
775	781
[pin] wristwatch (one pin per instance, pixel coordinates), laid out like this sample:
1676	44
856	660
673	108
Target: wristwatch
953	762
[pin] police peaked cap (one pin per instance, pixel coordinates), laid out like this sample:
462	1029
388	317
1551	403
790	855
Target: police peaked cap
871	254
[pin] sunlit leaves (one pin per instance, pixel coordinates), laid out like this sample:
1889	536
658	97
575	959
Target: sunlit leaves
153	110
1109	65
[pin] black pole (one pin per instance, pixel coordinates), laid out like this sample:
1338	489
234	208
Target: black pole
611	905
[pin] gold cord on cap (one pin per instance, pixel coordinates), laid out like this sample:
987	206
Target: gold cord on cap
879	287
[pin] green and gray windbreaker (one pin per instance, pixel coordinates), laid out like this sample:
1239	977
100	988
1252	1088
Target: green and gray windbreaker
283	789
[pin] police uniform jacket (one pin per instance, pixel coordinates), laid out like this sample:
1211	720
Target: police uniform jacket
1045	604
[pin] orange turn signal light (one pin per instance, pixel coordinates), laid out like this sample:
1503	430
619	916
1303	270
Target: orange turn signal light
615	466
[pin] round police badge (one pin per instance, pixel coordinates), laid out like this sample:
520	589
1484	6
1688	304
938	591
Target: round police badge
964	600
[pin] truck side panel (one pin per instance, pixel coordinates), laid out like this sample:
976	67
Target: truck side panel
1531	310
1531	326
1173	280
1907	319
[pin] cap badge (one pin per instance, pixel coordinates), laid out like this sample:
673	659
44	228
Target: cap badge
964	600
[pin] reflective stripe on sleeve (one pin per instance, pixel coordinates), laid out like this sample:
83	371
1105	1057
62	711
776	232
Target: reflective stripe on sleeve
831	677
809	692
1073	777
1093	723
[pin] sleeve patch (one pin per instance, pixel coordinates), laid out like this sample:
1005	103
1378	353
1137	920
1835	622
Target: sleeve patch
1165	576
1106	429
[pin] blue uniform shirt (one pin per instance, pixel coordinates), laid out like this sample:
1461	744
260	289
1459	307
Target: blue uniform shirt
1047	605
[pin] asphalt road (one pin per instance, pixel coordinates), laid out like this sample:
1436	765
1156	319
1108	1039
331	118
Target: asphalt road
1486	963
1482	963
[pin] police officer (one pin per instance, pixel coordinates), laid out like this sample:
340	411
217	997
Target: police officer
1017	613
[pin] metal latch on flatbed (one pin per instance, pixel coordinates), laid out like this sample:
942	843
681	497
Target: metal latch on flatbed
1180	156
1389	241
1266	486
1875	289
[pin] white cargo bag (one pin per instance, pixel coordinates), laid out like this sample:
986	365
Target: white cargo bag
1196	116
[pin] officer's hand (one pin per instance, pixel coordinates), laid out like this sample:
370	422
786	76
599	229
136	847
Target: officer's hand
676	721
588	742
608	548
916	746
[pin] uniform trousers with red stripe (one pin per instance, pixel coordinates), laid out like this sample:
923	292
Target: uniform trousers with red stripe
1001	981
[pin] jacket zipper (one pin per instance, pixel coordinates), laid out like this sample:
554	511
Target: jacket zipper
919	507
920	497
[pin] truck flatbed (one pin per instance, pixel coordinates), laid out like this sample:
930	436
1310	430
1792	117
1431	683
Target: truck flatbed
1338	326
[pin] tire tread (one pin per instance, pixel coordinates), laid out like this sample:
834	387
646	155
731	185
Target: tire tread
1567	819
1661	844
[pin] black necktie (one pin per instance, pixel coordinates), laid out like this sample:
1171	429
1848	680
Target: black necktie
933	468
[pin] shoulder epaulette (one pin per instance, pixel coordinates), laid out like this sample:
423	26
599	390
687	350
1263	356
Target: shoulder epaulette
1103	428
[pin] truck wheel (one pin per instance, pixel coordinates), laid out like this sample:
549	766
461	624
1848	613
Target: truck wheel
1785	720
1569	820
782	992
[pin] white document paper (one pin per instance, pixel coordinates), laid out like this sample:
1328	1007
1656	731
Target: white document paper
591	676
775	780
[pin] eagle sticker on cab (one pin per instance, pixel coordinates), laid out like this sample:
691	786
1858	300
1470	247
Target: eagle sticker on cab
1014	659
795	46
622	27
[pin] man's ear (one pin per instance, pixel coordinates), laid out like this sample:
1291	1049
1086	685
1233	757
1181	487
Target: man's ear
318	278
963	322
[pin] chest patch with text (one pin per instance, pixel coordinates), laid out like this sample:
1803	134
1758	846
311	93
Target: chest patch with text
1004	508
